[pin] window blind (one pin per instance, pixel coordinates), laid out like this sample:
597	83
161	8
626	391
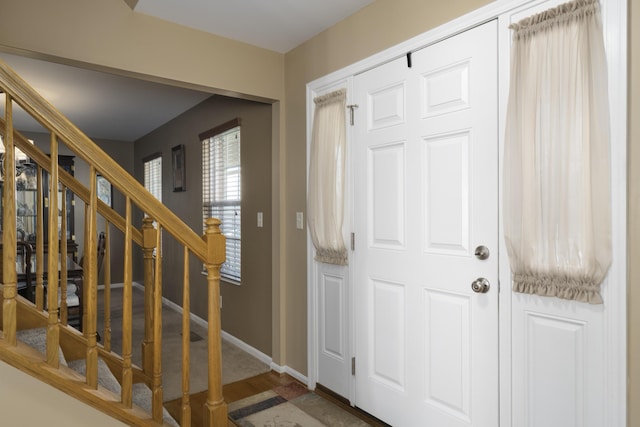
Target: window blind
221	193
153	176
153	181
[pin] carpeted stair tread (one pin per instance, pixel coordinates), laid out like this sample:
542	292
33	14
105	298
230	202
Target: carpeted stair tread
105	377
37	338
140	392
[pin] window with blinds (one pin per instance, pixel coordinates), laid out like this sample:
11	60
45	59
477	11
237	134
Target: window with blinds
153	181
221	189
153	175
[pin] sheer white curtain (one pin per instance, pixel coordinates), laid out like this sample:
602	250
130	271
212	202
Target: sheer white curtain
557	218
325	208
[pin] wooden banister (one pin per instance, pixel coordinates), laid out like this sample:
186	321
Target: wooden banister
156	385
127	314
149	242
40	109
76	187
20	313
215	408
185	409
9	238
53	333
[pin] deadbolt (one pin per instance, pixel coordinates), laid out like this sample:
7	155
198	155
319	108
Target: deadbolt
482	252
480	285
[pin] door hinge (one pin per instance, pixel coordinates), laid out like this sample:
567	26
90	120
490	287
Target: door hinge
353	241
351	107
353	366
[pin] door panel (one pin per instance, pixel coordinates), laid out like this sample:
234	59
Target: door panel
426	183
334	351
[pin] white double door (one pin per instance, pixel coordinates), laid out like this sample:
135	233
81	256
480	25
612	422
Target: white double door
426	200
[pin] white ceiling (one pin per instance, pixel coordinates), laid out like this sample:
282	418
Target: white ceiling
106	106
278	25
102	105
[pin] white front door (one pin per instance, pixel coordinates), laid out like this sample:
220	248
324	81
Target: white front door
426	197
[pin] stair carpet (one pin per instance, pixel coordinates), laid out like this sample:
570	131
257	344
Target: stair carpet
141	393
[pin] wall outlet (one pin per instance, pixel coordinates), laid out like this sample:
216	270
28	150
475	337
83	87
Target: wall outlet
299	221
260	219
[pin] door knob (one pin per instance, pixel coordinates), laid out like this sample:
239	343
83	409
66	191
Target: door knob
482	252
480	285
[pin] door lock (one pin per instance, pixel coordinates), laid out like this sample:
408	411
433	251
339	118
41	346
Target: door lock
482	252
480	285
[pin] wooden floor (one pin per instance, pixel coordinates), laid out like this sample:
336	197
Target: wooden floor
245	388
231	392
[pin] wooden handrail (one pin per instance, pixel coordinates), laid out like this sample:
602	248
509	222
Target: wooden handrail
76	187
47	115
209	249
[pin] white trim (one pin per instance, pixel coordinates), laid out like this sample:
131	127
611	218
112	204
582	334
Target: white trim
224	335
119	285
262	357
451	28
247	348
292	372
312	266
312	294
614	19
504	272
614	290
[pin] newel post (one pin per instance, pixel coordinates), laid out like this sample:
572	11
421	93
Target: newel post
215	414
148	244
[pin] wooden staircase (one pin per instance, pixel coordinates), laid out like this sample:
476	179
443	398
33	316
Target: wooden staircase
20	314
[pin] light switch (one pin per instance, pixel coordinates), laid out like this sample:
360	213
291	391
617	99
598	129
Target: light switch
259	219
299	221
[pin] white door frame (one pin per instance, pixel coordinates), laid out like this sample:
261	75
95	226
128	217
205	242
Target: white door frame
614	16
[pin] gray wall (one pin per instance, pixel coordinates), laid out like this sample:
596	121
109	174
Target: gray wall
246	309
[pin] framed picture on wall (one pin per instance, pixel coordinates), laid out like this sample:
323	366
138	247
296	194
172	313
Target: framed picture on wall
104	190
177	166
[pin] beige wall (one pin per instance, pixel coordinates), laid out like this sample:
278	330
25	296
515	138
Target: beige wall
634	215
107	34
26	401
246	309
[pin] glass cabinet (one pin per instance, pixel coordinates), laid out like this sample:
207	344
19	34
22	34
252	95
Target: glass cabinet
26	204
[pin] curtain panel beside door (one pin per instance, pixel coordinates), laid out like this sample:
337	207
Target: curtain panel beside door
325	210
557	193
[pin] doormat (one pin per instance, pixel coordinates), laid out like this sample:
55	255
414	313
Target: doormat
290	405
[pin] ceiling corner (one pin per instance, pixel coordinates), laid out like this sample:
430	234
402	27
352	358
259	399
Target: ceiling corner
131	3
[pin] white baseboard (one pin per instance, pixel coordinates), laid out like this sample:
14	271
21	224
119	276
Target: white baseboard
264	358
290	371
119	285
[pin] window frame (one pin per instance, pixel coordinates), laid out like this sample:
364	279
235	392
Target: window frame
217	198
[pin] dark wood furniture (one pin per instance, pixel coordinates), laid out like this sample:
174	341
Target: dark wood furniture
26	204
23	263
26	269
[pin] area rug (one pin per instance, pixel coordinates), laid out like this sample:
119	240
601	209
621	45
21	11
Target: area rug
290	405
